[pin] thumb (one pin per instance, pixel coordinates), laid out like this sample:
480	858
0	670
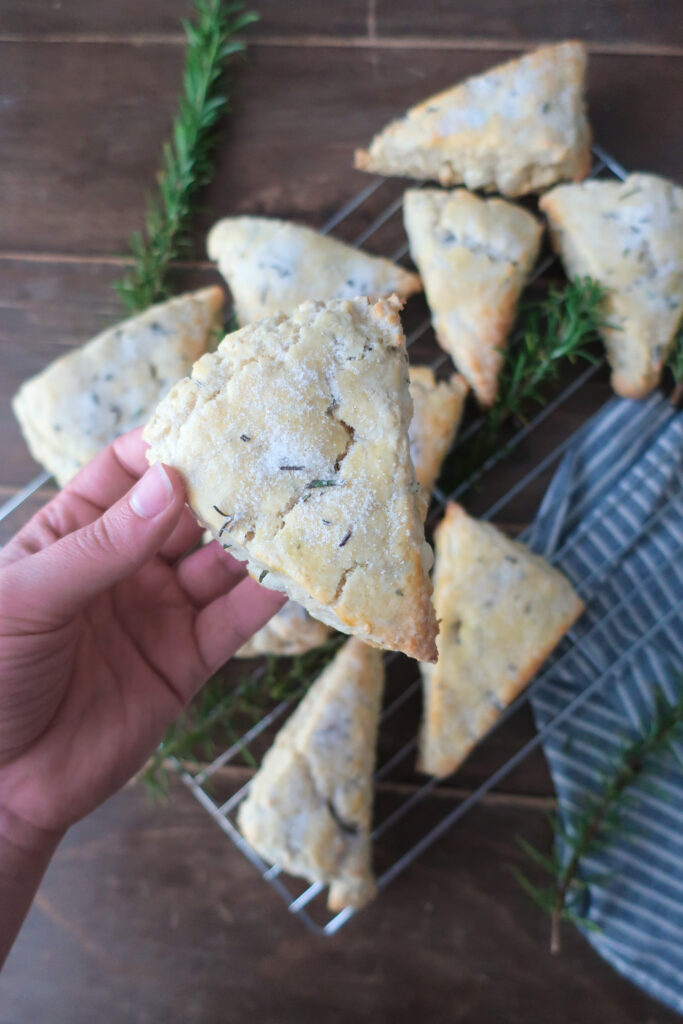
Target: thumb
50	586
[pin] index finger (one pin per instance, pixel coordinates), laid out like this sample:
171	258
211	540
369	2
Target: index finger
112	472
100	484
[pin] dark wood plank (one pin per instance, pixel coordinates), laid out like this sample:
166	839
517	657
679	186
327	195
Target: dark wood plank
611	23
625	24
153	912
130	18
77	160
72	155
35	18
299	153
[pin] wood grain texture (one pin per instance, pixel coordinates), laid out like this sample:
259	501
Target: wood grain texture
149	914
152	915
614	24
610	24
31	19
79	155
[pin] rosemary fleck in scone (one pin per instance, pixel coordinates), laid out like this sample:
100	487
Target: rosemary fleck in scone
474	256
309	807
82	401
628	236
517	128
502	611
292	440
272	266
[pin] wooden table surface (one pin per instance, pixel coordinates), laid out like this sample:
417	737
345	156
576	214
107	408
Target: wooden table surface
148	913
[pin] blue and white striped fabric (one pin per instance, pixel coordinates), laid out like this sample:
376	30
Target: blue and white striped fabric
612	521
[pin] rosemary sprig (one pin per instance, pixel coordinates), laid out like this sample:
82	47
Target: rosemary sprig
600	821
186	163
219	713
556	328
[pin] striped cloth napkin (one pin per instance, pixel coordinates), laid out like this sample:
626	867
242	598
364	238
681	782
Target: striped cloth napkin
612	521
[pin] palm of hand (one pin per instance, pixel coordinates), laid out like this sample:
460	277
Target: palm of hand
85	697
95	697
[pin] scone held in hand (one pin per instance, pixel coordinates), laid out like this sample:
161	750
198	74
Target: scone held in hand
437	410
292	440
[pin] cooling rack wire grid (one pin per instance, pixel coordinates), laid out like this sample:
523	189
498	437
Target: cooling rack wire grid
578	648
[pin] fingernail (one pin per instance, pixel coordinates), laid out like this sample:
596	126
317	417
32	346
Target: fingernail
152	493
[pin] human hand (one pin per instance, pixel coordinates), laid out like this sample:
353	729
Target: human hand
106	633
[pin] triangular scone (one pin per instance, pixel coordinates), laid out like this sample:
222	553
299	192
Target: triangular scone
290	631
502	611
272	266
309	807
628	236
292	440
474	256
437	411
517	128
83	400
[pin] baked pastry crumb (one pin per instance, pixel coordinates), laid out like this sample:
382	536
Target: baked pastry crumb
437	410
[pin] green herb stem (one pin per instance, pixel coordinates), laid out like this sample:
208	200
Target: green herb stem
554	329
186	163
601	817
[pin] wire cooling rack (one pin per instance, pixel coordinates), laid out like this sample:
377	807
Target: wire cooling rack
405	823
